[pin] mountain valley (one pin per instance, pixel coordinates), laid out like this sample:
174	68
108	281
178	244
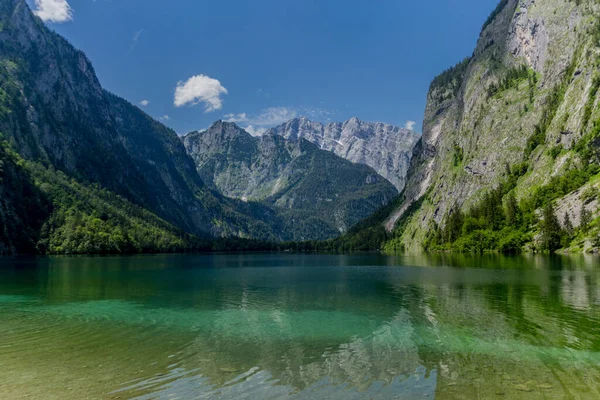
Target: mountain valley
509	158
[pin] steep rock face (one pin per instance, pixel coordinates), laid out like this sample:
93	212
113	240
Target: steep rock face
294	177
49	92
54	111
482	116
385	148
235	163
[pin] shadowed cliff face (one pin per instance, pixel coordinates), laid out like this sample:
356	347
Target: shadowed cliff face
385	148
532	71
23	207
293	176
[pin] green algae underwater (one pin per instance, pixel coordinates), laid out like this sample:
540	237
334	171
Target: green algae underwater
278	326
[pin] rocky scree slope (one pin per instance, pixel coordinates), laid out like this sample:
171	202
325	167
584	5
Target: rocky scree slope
385	148
524	107
316	194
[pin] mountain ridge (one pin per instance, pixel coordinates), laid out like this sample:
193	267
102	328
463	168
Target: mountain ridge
385	148
294	177
55	114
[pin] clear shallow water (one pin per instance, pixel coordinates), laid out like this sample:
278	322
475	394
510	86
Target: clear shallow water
300	326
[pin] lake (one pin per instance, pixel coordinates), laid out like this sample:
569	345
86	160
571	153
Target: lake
278	326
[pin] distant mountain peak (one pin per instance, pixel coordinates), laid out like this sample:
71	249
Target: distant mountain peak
223	128
386	148
315	193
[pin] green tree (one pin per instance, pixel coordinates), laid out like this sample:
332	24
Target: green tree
586	219
454	225
550	229
513	213
568	224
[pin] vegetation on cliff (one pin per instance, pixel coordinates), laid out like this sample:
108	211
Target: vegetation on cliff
528	99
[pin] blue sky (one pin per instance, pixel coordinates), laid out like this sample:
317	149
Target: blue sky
261	62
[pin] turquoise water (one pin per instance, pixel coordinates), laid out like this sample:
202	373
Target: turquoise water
300	326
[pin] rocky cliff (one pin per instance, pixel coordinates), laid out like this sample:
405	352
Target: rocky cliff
521	112
385	148
316	194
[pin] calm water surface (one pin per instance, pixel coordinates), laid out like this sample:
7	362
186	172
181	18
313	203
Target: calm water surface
281	326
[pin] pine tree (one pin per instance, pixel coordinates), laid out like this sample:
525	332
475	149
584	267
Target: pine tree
513	213
531	89
454	225
586	219
550	229
568	225
439	237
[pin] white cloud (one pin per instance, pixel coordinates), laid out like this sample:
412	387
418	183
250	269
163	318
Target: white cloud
53	10
135	39
258	124
319	114
268	117
255	131
144	103
164	118
237	118
262	93
410	125
200	89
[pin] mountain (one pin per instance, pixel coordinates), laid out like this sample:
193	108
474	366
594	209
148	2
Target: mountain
511	138
293	176
67	130
385	148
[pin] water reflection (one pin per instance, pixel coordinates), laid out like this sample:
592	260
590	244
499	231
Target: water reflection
300	326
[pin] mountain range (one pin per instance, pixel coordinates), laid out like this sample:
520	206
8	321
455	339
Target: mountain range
385	148
509	158
106	177
315	193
